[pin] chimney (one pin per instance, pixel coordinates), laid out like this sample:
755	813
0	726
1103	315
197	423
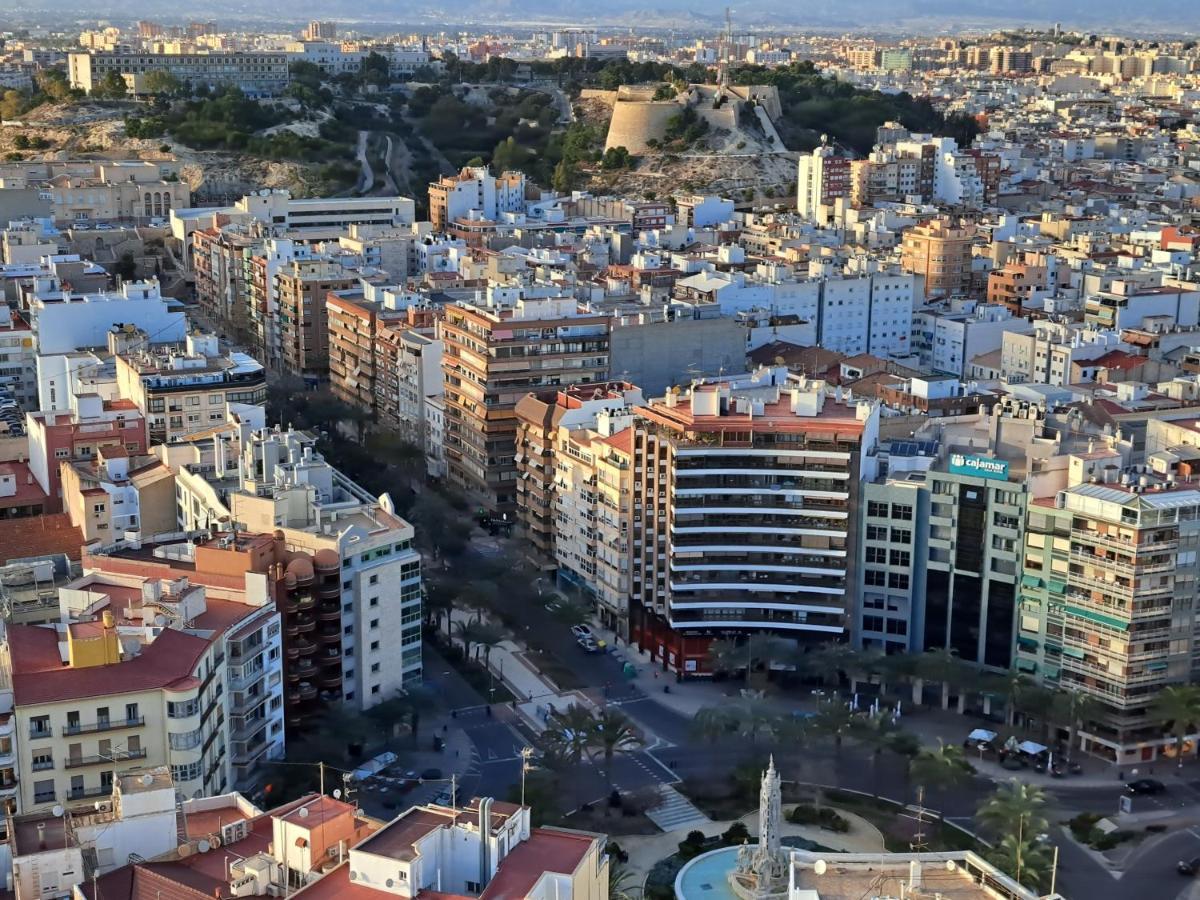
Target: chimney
485	835
41	831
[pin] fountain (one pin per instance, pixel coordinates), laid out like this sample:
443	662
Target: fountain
758	872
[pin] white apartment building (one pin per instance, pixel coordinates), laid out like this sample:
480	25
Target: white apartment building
475	191
256	74
946	339
267	480
64	321
1048	354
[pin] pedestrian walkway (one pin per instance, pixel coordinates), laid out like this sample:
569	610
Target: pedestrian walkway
676	812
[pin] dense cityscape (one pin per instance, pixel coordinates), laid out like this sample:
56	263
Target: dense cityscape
685	461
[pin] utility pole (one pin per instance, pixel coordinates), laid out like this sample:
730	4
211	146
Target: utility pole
321	767
526	753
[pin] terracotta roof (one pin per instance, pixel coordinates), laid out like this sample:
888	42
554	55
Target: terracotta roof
39	675
40	536
546	850
622	440
1119	359
28	490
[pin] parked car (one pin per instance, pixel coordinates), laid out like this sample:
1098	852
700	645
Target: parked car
1188	866
1146	786
588	644
431	775
581	631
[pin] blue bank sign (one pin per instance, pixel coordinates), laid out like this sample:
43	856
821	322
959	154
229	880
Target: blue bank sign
979	466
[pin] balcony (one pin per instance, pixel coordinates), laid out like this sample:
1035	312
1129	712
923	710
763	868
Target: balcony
44	797
117	756
329	637
36	732
307	648
88	792
331	679
308	691
293	652
330	614
304	626
330	657
306	602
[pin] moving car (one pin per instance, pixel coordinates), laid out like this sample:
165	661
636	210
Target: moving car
1146	786
1188	866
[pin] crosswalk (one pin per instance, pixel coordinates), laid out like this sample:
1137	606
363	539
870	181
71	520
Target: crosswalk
675	812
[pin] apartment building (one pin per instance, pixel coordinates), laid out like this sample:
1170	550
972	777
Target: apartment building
82	191
64	321
947	337
475	190
256	74
414	355
711	465
218	257
302	287
560	446
1018	285
18	358
367	571
355	367
823	177
183	388
493	355
124	692
940	252
117	497
80	433
1055	353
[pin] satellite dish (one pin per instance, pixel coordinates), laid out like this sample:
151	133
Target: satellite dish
204	846
185	849
160	620
58	810
820	866
147	779
390	883
304	812
337	794
951	865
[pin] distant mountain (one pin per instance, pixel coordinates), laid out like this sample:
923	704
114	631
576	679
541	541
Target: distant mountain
928	16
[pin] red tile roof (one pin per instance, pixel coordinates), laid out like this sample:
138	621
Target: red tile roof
39	675
40	536
546	850
28	490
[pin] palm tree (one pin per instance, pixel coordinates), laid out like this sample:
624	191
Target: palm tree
940	769
1073	708
879	734
622	885
1178	705
944	666
613	733
485	635
436	604
570	731
714	722
465	631
755	720
827	661
1015	686
727	655
1014	808
834	719
1023	857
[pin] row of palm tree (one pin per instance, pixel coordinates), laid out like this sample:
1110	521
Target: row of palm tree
578	732
1178	707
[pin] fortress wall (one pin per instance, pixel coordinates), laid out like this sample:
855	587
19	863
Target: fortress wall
635	123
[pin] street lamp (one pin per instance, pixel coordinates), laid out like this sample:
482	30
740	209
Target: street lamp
526	753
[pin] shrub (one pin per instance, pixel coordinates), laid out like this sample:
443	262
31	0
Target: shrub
695	837
1083	824
736	834
822	817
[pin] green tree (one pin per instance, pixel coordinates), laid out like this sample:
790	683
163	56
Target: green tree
126	267
53	83
1027	860
878	734
940	769
111	86
945	667
714	722
622	883
1074	708
508	156
833	719
161	82
1178	706
569	732
613	733
564	178
1014	808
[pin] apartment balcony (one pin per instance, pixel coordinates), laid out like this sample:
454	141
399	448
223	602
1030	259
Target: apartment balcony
308	690
329	637
293	652
331	678
306	625
331	657
103	725
306	648
292	629
117	756
329	614
304	669
306	602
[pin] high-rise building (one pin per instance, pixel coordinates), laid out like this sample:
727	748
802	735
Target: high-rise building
475	189
744	490
302	286
823	176
940	252
320	31
493	355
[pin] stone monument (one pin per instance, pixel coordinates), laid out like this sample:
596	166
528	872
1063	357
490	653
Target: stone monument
763	872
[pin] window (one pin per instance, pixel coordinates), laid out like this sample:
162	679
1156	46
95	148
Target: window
899	558
374	579
39	726
42	760
877	510
375	689
131	712
901	536
875	577
374	645
43	791
902	512
374	668
898	580
877	533
876	555
374	623
349	629
374	602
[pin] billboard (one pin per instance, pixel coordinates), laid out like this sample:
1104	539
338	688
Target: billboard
979	466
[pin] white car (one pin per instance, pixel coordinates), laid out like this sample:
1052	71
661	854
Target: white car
581	631
589	645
